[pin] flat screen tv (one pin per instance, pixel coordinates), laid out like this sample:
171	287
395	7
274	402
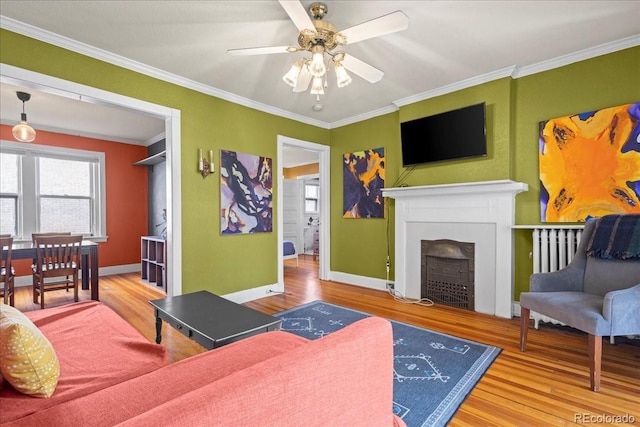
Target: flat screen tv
456	134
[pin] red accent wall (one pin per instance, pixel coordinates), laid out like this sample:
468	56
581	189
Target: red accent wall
127	194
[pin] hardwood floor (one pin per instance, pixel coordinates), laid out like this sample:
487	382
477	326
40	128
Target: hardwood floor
546	385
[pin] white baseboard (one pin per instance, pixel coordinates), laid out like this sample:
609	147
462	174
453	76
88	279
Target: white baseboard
254	293
515	309
267	290
103	271
363	281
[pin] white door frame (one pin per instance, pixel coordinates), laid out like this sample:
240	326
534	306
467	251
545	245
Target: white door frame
19	76
323	212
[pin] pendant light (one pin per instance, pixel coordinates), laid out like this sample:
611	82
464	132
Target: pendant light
22	131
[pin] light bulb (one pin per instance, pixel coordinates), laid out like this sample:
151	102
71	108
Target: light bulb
342	77
316	86
317	67
291	78
23	132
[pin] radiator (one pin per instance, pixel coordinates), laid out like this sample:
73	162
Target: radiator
553	249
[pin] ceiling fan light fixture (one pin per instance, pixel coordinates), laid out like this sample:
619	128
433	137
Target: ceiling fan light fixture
316	66
291	78
22	131
342	77
317	87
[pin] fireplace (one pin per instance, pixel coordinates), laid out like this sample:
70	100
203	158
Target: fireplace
481	213
447	272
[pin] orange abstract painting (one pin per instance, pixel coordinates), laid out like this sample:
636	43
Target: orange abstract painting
590	164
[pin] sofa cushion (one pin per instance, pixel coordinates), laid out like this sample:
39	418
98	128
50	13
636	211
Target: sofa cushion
576	309
144	393
96	349
28	361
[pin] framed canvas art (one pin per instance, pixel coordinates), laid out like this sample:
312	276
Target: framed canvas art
590	164
363	173
245	193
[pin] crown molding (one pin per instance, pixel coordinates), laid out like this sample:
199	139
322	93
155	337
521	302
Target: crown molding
121	61
54	129
582	55
517	72
364	116
454	87
512	71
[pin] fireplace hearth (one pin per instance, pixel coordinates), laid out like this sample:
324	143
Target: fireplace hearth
447	272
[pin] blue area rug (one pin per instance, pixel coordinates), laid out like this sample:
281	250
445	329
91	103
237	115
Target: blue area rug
433	372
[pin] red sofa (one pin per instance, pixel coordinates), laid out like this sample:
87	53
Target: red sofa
271	379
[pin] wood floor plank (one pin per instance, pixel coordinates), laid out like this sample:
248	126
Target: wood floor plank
546	385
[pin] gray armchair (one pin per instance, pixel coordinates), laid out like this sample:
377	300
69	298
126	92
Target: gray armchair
598	292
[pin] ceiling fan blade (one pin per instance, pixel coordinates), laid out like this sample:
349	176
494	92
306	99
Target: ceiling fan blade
304	78
298	14
258	50
364	70
387	24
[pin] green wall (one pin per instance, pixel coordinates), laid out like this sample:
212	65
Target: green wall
514	108
359	247
209	260
601	82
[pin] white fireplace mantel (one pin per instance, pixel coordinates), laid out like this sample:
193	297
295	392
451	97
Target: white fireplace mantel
479	212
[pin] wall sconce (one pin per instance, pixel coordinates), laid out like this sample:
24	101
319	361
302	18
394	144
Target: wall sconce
205	166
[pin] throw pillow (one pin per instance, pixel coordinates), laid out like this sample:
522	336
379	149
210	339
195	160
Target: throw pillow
27	359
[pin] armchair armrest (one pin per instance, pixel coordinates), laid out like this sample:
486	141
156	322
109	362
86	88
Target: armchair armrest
568	279
622	309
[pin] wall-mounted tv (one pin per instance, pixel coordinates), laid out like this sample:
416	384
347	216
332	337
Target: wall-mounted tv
451	135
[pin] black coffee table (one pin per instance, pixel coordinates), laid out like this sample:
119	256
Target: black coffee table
210	320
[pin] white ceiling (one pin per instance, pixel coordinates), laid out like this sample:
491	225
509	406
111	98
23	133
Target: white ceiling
448	45
68	115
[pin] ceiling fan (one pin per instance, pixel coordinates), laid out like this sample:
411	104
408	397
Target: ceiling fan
318	37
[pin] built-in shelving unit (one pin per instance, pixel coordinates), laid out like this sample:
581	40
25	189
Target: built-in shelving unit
154	254
152	160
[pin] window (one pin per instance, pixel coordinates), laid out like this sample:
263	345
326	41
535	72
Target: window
49	189
311	198
9	179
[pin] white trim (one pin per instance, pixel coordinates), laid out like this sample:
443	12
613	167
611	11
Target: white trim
513	71
515	309
454	87
93	135
324	213
362	281
29	198
364	116
171	116
103	271
477	212
582	55
253	294
174	202
121	61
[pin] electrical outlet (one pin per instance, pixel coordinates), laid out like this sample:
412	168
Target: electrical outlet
390	286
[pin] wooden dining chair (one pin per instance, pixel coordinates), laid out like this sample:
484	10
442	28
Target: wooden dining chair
58	261
7	273
34	236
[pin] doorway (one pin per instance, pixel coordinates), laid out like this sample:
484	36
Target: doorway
30	79
323	211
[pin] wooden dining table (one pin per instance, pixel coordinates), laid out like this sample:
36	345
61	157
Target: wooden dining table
89	252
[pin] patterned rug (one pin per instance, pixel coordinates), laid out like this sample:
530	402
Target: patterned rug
433	372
